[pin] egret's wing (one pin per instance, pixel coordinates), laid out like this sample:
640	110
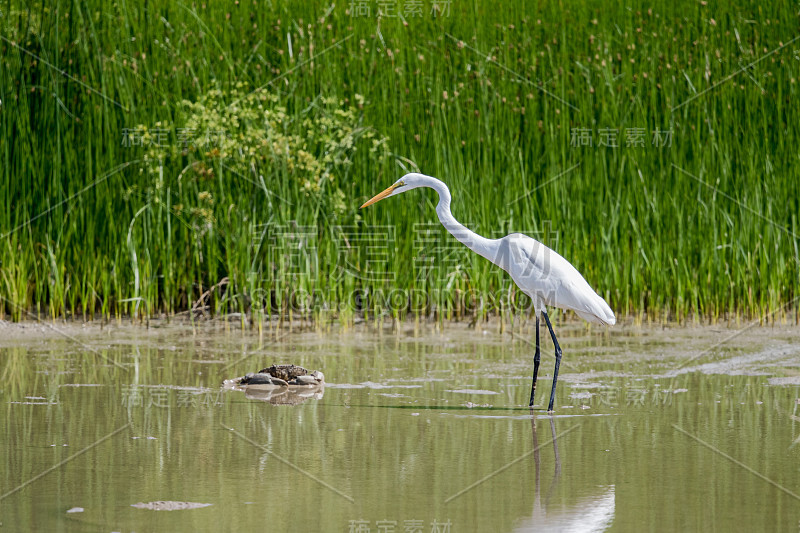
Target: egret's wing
529	263
545	275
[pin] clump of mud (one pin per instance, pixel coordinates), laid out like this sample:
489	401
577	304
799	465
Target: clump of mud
280	384
283	376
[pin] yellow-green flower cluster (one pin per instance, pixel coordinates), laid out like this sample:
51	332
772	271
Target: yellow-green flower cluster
251	129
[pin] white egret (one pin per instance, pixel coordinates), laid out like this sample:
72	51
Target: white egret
542	274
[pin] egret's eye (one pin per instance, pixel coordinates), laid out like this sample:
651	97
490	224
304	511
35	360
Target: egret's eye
400	184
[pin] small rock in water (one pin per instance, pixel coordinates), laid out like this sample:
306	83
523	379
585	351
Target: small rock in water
280	384
75	510
305	380
282	376
259	379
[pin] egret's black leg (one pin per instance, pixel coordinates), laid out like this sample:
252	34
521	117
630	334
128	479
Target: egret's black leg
536	358
558	361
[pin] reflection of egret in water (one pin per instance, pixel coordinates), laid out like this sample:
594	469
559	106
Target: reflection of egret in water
594	513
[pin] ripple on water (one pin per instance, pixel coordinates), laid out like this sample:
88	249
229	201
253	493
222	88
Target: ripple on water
370	385
170	505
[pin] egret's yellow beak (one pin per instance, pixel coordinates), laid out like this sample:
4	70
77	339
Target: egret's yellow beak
381	195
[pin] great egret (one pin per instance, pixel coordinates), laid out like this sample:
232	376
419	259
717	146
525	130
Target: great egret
538	271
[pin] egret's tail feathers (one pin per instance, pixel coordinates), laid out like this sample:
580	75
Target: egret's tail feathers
600	313
591	317
610	320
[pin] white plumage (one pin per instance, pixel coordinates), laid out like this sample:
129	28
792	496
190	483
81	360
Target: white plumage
551	280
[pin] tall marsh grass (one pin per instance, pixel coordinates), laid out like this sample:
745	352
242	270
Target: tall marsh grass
209	157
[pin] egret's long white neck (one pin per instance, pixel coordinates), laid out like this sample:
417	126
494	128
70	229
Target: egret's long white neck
480	245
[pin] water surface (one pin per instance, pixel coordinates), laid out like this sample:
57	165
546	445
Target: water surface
655	429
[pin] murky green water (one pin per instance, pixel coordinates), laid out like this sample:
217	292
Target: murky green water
412	433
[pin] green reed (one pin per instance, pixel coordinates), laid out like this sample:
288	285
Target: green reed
490	98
